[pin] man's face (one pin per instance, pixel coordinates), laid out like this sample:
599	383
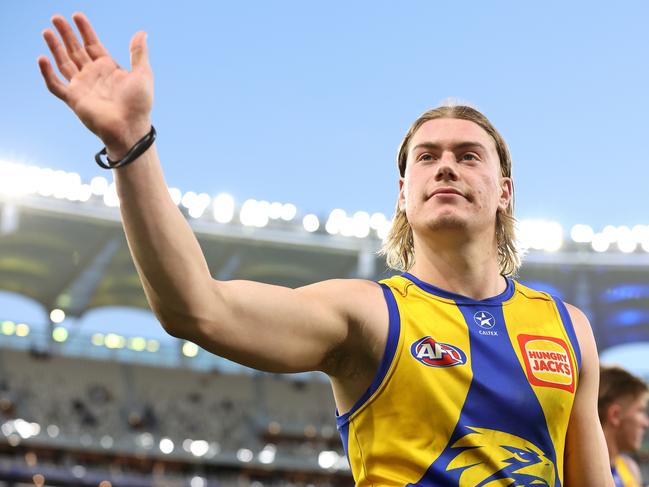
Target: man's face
452	178
633	421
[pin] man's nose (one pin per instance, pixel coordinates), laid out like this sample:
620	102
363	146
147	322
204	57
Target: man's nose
446	168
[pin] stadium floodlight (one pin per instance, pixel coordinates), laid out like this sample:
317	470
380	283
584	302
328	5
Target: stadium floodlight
8	327
61	184
244	455
52	430
24	428
45	182
310	222
582	233
106	442
188	199
189	349
223	208
199	205
71	186
17	179
85	193
22	330
176	195
98	185
59	334
197	481
196	211
640	233
137	343
267	455
382	232
110	196
166	446
7	428
254	213
289	211
145	440
57	316
610	232
187	445
152	346
275	210
600	242
539	235
199	448
335	221
247	212
114	341
327	459
97	339
79	471
626	241
361	223
377	220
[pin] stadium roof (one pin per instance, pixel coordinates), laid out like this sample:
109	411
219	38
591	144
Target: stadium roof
70	253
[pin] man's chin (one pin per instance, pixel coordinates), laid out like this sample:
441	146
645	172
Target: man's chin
448	222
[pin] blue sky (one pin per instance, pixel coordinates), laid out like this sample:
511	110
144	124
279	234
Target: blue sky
306	102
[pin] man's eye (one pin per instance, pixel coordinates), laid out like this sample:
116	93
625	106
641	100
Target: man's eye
425	157
469	157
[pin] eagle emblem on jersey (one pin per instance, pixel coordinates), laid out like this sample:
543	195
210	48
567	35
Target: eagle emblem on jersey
492	458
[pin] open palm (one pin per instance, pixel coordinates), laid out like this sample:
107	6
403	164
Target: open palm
112	102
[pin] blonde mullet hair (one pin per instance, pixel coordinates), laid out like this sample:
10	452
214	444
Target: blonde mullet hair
398	247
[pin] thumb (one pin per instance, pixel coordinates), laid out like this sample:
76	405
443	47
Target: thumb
139	51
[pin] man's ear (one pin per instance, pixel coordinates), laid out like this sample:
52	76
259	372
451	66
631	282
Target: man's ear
614	414
506	192
402	194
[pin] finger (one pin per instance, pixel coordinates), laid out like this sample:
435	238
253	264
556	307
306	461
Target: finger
52	81
139	52
75	51
94	48
67	68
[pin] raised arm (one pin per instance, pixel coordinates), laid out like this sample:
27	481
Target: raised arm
586	457
262	326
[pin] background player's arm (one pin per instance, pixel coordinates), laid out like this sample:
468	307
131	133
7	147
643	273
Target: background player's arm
262	326
586	457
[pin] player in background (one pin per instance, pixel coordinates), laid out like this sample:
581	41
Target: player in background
622	408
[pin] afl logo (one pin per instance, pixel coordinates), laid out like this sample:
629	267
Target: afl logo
435	354
484	319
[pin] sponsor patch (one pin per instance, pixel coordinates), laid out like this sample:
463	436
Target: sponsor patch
547	361
436	354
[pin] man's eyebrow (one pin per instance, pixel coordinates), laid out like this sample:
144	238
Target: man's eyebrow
456	146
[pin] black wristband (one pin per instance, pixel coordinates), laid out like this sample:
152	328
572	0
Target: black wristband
136	151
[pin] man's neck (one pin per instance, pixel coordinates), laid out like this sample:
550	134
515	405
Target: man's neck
611	444
469	268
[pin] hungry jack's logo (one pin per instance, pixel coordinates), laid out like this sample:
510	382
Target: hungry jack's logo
548	362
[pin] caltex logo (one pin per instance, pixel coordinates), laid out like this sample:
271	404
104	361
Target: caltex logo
484	320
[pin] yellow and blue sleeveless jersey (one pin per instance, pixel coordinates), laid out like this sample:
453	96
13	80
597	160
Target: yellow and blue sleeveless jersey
469	393
622	475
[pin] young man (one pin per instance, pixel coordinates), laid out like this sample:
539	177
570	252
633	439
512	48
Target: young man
463	378
622	409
